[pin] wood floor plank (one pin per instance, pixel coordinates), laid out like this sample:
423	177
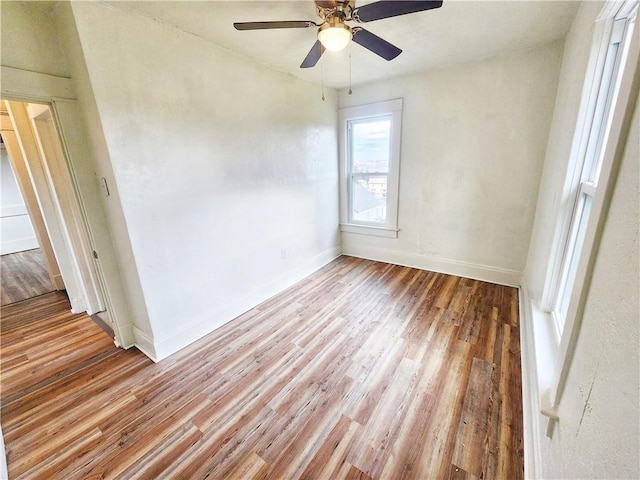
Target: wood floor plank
363	370
458	473
24	275
472	429
332	453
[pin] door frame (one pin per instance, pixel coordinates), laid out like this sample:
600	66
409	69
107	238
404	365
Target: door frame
23	180
49	180
58	94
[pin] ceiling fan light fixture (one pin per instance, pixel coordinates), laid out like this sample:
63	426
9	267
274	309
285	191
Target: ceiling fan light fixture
334	35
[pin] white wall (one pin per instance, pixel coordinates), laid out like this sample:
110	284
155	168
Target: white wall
226	171
16	231
550	197
29	39
473	143
598	435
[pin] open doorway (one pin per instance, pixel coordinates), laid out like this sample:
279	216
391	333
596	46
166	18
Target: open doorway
37	160
27	266
82	201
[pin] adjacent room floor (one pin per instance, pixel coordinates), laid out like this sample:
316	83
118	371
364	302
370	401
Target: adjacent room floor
24	275
362	370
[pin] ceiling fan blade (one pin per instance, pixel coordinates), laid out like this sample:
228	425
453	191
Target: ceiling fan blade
270	25
392	8
376	44
313	56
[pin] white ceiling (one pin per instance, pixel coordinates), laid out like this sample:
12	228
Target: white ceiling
459	31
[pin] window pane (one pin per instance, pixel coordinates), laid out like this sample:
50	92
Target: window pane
567	288
370	145
369	198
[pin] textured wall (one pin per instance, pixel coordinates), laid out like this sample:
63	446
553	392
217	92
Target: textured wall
473	143
598	434
29	39
226	171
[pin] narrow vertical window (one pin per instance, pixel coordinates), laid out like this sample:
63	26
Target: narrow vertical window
589	165
370	164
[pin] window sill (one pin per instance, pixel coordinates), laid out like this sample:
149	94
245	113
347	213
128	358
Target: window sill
547	341
385	232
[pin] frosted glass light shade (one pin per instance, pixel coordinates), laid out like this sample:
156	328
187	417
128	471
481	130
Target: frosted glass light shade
335	37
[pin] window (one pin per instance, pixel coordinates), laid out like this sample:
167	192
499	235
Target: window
584	178
370	166
606	101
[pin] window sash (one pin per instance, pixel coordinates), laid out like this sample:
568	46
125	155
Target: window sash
355	177
589	169
572	257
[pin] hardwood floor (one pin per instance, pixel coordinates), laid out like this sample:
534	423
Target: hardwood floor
24	275
362	370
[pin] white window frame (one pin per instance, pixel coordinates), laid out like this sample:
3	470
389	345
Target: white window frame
587	163
390	109
591	174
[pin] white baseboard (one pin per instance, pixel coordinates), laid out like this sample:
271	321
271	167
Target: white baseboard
234	307
539	351
4	472
485	273
530	394
144	343
58	282
78	304
20	245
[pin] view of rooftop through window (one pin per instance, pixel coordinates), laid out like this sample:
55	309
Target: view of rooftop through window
370	153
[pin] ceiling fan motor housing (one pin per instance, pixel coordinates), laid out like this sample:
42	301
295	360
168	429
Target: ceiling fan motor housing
341	8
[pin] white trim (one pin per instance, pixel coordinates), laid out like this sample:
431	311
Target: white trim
369	230
616	8
530	394
539	339
235	306
580	140
4	472
58	282
144	343
20	85
65	198
588	188
371	109
474	271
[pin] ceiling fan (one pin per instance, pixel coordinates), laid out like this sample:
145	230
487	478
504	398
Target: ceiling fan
333	32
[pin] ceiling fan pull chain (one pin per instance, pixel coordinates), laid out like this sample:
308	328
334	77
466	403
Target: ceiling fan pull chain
322	77
350	91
